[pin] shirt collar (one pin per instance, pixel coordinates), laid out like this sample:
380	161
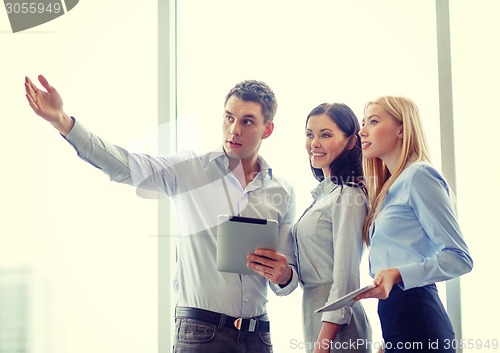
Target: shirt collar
265	169
216	154
326	186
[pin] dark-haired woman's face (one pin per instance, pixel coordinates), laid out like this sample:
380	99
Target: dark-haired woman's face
324	142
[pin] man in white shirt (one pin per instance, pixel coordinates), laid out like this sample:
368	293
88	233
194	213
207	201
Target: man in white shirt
215	311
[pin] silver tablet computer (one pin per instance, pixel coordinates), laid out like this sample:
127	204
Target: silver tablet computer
346	300
239	236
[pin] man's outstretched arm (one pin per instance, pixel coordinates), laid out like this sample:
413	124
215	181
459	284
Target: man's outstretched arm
152	173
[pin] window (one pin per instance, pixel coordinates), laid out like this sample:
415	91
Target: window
78	266
309	53
475	58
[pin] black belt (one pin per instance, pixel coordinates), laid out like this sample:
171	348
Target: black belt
221	320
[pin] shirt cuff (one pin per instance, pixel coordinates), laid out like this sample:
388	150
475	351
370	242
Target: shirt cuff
411	276
78	136
340	317
290	287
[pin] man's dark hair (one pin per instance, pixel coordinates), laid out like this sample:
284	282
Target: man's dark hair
256	91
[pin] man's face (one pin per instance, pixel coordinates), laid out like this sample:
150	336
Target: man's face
244	129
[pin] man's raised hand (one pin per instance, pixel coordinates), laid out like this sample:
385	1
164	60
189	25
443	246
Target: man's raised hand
48	104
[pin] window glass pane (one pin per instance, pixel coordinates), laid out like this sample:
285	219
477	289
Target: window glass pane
309	53
475	58
78	269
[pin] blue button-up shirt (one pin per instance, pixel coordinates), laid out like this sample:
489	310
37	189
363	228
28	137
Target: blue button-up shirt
417	231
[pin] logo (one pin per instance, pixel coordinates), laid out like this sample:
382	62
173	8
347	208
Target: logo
24	14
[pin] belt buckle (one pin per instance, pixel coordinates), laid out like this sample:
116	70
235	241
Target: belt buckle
252	325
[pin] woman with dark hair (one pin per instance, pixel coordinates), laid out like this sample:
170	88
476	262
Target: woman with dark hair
329	233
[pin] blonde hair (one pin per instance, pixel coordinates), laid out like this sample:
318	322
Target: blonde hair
378	179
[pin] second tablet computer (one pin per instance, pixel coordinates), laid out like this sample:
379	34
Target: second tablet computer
346	300
239	236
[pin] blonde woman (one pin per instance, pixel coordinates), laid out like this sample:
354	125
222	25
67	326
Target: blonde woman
414	235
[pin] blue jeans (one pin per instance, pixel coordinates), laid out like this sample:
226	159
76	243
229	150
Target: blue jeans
193	336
